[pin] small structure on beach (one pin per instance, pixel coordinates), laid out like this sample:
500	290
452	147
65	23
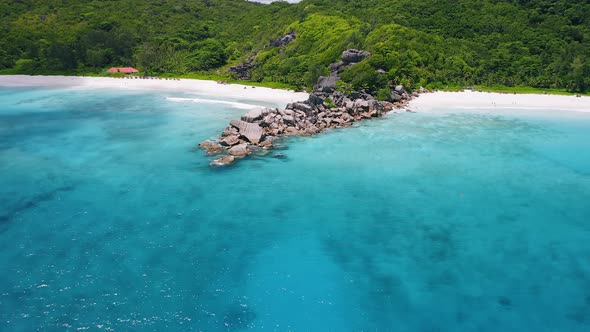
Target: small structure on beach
124	70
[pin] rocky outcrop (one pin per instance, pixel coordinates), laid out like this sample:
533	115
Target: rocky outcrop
314	100
258	129
337	67
255	114
327	84
354	56
283	41
242	70
251	132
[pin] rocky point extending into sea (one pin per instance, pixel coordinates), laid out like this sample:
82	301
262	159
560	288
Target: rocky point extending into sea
326	108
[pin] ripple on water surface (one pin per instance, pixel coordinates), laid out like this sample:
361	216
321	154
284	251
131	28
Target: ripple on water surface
110	219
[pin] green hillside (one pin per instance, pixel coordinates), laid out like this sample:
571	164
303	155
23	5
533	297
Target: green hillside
532	43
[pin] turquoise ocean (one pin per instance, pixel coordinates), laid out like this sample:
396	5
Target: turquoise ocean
112	220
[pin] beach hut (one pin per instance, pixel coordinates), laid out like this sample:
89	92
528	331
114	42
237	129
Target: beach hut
124	70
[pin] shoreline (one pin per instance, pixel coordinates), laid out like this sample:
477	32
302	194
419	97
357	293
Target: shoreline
427	102
444	101
199	87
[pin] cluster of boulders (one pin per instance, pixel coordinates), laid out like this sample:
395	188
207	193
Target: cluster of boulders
258	130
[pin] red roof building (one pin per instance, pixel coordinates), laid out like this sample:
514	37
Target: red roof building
124	70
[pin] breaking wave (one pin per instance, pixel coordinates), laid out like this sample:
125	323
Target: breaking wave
213	101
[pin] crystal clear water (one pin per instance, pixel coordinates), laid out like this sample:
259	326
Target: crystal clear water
110	219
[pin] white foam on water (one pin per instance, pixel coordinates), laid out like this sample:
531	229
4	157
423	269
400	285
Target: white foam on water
213	101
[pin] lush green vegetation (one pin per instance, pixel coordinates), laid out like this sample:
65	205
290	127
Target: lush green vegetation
543	44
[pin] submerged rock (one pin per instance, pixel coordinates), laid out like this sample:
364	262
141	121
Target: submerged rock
211	147
223	161
279	156
267	144
230	140
214	149
240	150
206	144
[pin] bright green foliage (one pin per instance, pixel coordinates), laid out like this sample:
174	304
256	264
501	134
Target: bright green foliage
329	102
383	94
363	76
320	40
475	42
432	43
579	73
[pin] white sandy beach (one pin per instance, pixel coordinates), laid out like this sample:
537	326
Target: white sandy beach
428	102
441	101
199	87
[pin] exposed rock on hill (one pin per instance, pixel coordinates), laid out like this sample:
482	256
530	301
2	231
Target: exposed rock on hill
327	84
283	41
353	56
242	70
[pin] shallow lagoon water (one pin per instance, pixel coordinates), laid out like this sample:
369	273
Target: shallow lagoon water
111	219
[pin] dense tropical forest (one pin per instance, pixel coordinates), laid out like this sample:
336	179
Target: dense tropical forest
431	43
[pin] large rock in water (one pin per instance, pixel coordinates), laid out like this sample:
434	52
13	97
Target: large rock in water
206	144
251	131
354	56
214	149
240	150
255	114
230	140
223	161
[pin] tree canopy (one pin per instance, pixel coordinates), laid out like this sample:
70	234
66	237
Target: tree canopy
432	43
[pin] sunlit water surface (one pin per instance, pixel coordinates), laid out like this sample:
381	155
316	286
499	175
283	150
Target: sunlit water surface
111	219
